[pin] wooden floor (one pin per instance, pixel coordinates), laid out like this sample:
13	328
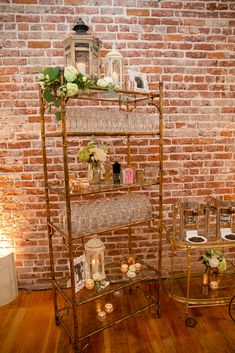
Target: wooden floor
27	326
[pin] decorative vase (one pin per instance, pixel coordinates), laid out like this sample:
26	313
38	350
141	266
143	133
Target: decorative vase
214	278
205	278
94	174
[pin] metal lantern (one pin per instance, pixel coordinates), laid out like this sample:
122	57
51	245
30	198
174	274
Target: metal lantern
8	281
94	250
82	50
113	66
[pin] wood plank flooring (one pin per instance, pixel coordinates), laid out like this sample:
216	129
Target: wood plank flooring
27	326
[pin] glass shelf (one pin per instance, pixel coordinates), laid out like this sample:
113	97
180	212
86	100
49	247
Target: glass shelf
96	189
127	303
118	282
103	133
80	236
199	294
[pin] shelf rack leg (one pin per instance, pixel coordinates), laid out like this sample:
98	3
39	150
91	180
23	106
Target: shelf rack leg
190	322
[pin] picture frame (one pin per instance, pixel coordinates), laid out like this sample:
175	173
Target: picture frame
138	80
81	272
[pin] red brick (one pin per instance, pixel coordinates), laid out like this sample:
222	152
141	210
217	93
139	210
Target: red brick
39	44
138	12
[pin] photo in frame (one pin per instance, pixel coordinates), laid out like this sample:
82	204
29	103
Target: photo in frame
138	81
81	272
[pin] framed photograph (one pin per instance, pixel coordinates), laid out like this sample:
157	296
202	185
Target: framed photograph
138	81
81	272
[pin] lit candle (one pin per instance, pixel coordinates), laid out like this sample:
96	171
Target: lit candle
124	268
102	315
108	308
138	267
90	283
93	266
81	68
205	279
98	305
115	78
214	285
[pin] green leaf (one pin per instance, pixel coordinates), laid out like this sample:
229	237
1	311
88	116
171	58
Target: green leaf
52	72
111	89
48	96
58	116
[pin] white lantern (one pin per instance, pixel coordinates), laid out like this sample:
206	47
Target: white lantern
113	66
8	281
82	50
94	250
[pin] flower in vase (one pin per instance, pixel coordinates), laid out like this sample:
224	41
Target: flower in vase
214	259
93	153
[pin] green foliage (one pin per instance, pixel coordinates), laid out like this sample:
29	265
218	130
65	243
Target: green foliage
55	87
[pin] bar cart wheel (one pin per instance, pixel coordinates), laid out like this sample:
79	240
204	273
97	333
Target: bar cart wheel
190	322
231	308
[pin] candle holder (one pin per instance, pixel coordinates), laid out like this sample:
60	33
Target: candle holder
124	268
94	249
102	315
108	308
90	283
138	267
98	305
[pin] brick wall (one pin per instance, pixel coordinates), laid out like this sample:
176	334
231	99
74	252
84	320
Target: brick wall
188	44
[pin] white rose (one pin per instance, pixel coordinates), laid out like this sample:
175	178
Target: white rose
72	89
214	262
70	73
131	274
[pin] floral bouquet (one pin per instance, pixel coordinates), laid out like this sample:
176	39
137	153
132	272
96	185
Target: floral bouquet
93	153
74	82
214	259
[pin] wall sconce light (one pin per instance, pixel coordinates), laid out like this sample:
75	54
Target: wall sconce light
82	50
94	250
8	281
113	66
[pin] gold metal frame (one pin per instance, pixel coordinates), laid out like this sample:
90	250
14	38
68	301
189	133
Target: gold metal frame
131	102
183	287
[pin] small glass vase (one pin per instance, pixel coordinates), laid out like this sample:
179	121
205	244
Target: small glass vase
94	174
205	278
214	278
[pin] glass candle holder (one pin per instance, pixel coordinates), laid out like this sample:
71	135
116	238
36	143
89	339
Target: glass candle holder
108	308
90	283
138	267
124	268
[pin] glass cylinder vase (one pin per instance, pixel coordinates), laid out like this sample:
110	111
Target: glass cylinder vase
214	278
94	174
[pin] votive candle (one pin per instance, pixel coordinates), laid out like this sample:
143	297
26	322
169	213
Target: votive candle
124	268
108	308
90	283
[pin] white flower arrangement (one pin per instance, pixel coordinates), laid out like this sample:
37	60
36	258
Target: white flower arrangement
105	82
93	153
214	259
70	73
73	83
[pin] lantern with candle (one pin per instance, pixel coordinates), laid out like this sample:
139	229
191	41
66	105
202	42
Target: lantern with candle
94	250
82	50
113	66
8	281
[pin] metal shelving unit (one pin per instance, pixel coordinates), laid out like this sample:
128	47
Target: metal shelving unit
139	293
